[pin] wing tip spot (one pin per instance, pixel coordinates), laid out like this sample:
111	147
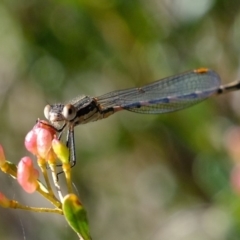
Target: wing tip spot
201	70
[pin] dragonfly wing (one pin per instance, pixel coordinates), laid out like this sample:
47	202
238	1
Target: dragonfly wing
166	95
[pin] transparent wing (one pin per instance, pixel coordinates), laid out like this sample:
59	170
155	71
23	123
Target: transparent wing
165	95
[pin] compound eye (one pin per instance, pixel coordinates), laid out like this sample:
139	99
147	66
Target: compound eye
69	112
47	111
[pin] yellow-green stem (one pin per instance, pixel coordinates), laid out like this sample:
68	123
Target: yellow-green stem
16	205
67	172
55	180
43	166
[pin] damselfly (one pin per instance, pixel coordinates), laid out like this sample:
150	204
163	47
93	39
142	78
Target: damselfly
165	95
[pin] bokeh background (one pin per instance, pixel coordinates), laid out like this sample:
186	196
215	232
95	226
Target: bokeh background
144	177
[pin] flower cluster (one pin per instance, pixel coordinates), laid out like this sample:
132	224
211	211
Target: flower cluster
43	143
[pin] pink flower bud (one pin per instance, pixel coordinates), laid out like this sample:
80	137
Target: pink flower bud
31	142
27	175
44	142
38	140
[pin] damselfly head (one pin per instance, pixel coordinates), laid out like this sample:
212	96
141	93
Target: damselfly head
59	112
53	113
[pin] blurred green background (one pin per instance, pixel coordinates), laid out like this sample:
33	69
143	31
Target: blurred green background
150	177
